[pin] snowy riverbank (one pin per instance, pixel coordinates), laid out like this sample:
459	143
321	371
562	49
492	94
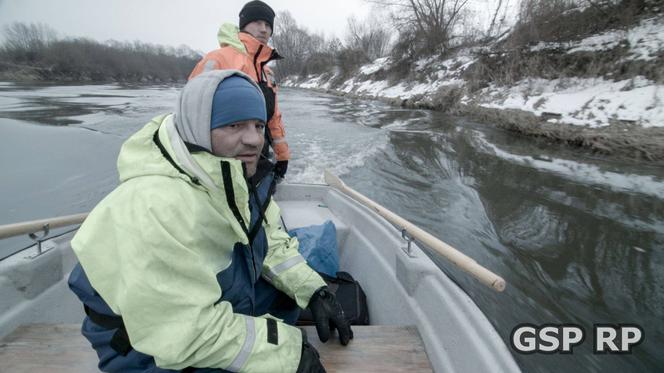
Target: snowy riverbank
610	105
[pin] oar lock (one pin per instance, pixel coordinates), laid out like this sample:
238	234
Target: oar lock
45	229
409	240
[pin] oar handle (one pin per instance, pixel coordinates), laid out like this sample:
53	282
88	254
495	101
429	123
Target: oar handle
457	258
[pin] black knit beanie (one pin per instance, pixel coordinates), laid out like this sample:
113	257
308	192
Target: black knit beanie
255	11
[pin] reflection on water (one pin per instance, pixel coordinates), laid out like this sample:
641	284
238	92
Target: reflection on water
53	111
113	109
579	240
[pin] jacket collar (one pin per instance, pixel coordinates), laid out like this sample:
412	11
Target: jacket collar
264	51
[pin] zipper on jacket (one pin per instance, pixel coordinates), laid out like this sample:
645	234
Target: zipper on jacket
253	276
230	199
250	235
258	53
230	196
273	56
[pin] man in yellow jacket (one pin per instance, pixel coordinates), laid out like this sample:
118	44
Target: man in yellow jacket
246	49
185	264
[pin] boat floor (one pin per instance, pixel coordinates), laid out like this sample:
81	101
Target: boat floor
56	348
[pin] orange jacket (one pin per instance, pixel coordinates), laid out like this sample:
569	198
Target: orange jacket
241	51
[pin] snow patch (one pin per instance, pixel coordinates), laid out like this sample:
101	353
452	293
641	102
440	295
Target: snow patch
424	62
644	41
448	72
374	66
591	102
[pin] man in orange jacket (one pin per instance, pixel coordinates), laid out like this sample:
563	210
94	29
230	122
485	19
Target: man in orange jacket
245	49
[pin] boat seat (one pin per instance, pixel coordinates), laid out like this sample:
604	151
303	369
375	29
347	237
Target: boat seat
60	348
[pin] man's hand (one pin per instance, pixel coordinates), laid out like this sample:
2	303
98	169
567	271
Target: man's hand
328	315
309	360
280	169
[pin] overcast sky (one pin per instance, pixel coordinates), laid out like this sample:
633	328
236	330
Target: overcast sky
192	22
168	22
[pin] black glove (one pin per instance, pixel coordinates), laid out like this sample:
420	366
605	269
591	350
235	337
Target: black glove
280	169
309	360
328	315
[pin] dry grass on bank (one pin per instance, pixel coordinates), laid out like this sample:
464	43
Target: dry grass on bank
628	142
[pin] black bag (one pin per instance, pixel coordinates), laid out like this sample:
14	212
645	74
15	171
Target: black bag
349	294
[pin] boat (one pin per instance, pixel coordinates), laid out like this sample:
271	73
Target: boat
432	316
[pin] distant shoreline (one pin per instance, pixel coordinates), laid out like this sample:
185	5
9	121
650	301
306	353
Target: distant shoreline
30	53
26	76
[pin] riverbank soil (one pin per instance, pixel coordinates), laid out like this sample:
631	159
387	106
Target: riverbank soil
621	140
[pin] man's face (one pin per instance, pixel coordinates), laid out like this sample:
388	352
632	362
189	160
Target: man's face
260	29
242	141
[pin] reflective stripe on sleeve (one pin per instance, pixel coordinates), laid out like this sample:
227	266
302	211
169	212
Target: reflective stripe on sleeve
248	345
278	269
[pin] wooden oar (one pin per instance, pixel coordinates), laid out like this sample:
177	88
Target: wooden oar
457	258
17	229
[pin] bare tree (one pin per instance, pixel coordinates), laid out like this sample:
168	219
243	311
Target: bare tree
333	45
297	46
497	27
291	42
428	23
24	41
369	36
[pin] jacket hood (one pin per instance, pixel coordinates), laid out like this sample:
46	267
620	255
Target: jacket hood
228	36
179	145
194	109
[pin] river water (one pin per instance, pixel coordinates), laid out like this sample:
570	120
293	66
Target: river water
578	239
